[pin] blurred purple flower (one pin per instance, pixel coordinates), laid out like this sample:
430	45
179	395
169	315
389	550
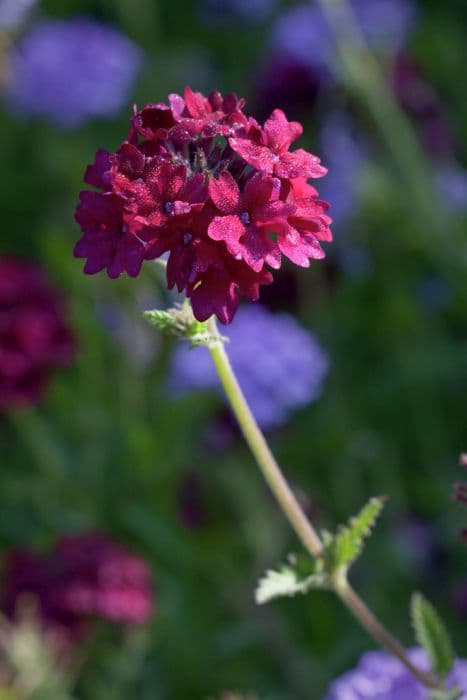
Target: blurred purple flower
72	70
283	80
13	13
422	103
452	184
380	676
190	500
344	155
304	33
221	11
435	293
459	598
279	364
415	539
84	576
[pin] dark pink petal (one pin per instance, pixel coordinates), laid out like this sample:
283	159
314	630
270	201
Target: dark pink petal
214	294
96	211
130	161
188	258
260	189
248	282
258	249
280	133
128	257
98	174
224	193
299	188
299	248
194	190
228	229
299	163
177	105
197	104
137	195
259	157
165	180
273	211
231	103
154	121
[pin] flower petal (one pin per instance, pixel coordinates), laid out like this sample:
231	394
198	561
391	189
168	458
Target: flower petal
299	163
214	294
258	156
280	133
228	229
224	193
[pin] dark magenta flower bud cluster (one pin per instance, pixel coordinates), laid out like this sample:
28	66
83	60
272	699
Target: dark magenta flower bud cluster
201	181
460	491
84	576
34	334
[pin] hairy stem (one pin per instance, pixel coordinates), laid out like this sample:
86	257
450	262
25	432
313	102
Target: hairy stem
293	511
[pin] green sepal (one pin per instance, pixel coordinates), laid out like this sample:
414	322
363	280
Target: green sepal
432	635
180	322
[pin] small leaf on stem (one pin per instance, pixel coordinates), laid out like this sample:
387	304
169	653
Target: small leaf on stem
289	580
347	545
431	634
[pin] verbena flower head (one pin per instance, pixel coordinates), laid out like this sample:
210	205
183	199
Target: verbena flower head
34	334
72	70
224	197
84	576
380	676
279	364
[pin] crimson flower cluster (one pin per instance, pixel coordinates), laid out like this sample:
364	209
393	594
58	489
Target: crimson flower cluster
224	197
34	335
84	576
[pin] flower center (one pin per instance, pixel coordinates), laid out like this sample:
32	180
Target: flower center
245	218
169	208
187	238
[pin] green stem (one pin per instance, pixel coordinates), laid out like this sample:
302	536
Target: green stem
293	511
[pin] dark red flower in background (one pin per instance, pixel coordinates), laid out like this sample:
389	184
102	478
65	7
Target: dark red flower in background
84	577
460	491
34	335
203	182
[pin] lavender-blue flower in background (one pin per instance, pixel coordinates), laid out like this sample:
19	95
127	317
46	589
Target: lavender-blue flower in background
344	154
279	364
451	179
379	676
70	71
304	33
13	13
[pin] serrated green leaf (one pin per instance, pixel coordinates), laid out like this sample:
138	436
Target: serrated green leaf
287	582
432	635
344	547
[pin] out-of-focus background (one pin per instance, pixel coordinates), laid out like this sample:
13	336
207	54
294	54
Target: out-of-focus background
133	522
